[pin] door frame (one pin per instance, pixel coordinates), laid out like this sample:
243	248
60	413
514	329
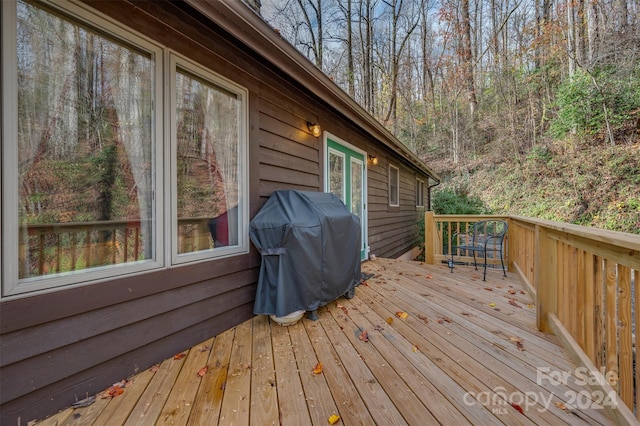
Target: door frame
325	183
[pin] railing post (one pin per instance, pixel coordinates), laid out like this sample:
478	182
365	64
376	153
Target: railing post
546	278
429	238
511	246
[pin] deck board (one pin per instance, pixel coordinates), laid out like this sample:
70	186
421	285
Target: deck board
466	351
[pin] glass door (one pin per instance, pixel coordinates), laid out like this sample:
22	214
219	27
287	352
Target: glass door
345	179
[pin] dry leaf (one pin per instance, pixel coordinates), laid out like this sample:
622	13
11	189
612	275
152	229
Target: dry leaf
530	306
378	327
333	419
488	288
115	390
423	318
514	303
202	371
155	368
442	320
517	407
364	336
415	348
466	314
179	356
492	304
511	291
429	277
560	405
515	339
389	320
318	368
401	314
520	346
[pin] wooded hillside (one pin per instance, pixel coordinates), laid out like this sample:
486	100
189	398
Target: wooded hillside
532	106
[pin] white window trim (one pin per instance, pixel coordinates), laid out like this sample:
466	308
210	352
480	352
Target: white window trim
397	202
163	208
178	61
420	198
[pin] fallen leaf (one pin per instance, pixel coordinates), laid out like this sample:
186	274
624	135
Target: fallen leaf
415	348
115	390
202	371
466	314
492	304
511	291
514	303
155	368
318	368
423	318
364	336
488	288
517	407
522	292
179	356
333	419
401	314
429	277
442	320
520	346
378	327
560	405
530	306
389	320
515	338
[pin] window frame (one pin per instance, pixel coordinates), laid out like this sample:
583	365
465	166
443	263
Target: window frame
419	193
164	180
176	62
394	203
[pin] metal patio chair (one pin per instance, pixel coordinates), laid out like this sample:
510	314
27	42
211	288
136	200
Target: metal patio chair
484	236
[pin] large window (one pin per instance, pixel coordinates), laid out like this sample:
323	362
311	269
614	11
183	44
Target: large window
394	186
85	153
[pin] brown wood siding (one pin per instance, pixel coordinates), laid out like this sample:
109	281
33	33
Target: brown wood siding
59	347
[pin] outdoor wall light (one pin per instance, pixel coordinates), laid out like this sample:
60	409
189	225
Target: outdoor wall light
315	129
373	159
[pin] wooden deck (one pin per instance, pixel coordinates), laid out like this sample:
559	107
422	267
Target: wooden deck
468	352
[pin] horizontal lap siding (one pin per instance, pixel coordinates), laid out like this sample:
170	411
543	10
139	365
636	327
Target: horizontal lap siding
392	230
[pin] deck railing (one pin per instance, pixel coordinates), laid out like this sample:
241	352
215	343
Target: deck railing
585	282
63	247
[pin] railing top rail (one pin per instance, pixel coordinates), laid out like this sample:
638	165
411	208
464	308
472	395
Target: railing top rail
616	238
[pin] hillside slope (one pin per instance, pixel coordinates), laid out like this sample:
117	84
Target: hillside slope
591	185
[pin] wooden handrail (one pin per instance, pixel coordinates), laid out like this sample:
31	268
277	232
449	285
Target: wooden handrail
60	247
585	283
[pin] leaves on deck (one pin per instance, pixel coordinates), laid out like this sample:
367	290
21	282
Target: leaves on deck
517	407
511	291
424	318
442	320
389	320
155	368
492	304
115	390
318	368
401	314
429	276
333	419
560	405
203	371
512	302
364	336
178	357
518	341
378	327
415	348
488	288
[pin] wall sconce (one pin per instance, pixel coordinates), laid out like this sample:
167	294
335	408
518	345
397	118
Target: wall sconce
314	128
373	159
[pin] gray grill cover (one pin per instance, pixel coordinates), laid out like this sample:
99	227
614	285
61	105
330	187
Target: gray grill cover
310	246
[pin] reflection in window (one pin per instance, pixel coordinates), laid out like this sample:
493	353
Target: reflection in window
207	120
419	193
356	187
85	169
336	174
394	184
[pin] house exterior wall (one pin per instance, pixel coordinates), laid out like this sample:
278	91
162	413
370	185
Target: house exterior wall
60	346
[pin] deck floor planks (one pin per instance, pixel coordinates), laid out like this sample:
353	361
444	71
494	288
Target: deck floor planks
119	409
497	347
264	396
413	371
403	397
208	400
427	392
177	407
316	390
291	397
237	392
373	395
351	407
